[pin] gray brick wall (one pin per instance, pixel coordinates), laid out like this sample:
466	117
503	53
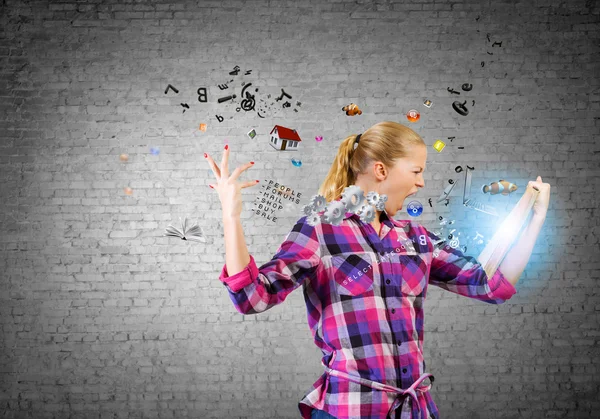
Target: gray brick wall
103	317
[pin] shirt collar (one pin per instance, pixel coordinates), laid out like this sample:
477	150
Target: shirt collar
384	218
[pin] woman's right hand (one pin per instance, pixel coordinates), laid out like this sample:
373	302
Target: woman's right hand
229	189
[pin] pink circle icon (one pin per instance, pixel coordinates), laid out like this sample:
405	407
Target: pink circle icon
319	138
413	115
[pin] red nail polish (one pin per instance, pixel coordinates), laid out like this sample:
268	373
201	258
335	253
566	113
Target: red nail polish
226	146
211	186
251	162
205	155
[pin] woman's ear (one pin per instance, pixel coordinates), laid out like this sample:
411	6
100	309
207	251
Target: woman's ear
380	170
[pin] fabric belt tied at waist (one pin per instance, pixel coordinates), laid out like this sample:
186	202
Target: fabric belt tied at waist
411	391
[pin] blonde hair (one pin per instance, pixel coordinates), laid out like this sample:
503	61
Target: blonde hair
385	142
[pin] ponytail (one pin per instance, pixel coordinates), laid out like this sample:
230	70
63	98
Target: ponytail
340	174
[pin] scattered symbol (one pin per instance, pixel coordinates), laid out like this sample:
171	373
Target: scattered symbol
128	191
471	202
202	95
269	96
219	118
461	148
248	72
488	37
460	108
446	192
352	109
470	168
458	169
260	116
287	105
192	233
235	71
454	243
154	151
248	102
451	138
172	88
467	87
451	182
203	127
414	208
477	19
252	133
296	162
447	202
413	115
502	186
185	105
464	249
427	103
283	93
238	109
283	138
473	102
490	53
453	91
318	138
482	63
123	157
439	145
298	104
497	43
226	98
431	206
223	86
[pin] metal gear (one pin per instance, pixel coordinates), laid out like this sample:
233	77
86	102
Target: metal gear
318	202
334	214
367	213
353	197
308	209
380	205
313	219
372	198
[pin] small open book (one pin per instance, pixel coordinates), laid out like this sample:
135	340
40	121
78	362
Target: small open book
186	232
498	246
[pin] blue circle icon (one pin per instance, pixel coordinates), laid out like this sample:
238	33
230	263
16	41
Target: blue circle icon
414	209
296	162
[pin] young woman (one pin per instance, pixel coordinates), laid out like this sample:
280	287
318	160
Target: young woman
365	283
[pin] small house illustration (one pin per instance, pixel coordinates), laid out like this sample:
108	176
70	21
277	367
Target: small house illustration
283	138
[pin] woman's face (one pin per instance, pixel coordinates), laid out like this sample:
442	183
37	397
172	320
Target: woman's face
404	179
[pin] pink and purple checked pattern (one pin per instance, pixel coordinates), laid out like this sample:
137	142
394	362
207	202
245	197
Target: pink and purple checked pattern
364	295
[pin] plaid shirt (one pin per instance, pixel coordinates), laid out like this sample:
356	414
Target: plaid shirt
364	296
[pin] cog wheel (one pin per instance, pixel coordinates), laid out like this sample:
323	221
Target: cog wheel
367	213
372	198
380	205
353	197
313	219
334	214
308	210
318	203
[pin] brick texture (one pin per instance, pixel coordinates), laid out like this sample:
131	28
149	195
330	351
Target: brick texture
104	317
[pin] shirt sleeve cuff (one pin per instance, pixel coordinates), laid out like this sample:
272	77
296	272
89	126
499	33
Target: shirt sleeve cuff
500	286
241	279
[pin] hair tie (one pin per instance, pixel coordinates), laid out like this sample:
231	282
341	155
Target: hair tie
356	140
